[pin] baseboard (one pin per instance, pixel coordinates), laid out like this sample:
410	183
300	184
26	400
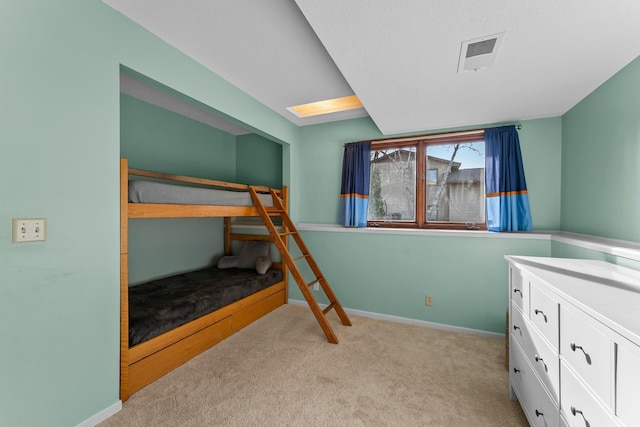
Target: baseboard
409	321
102	415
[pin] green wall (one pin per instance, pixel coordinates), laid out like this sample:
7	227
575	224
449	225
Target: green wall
153	138
541	146
391	274
258	161
59	133
601	160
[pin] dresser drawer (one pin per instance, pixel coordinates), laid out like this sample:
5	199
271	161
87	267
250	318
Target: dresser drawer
544	314
518	371
578	406
518	328
628	383
584	315
546	363
541	356
536	402
519	289
586	348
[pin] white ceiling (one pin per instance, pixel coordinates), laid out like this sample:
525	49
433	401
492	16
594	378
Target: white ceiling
401	57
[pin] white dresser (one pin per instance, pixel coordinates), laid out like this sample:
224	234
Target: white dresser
574	342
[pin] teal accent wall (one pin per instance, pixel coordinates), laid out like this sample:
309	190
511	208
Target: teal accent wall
153	138
166	246
601	160
541	146
258	161
60	138
391	274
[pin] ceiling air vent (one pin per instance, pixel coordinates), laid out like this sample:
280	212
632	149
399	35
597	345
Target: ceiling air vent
479	53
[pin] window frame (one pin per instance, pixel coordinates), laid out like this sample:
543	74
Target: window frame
421	143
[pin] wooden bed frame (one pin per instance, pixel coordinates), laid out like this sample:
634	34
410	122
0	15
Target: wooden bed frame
150	360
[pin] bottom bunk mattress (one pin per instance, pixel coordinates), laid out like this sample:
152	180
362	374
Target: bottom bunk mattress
158	306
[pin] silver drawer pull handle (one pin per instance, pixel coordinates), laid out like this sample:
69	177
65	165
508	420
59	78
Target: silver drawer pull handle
575	347
539	359
574	411
517	290
539	414
536	311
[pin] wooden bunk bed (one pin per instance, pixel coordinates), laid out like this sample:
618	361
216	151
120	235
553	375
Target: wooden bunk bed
149	360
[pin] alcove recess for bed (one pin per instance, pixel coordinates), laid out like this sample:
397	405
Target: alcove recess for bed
144	362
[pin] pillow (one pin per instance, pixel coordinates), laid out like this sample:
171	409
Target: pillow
263	263
228	262
252	250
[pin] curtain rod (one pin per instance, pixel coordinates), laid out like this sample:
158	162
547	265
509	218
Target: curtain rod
425	136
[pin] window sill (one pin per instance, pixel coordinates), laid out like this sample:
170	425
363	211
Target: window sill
620	248
535	235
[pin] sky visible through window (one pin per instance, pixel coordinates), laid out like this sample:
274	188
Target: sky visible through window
470	159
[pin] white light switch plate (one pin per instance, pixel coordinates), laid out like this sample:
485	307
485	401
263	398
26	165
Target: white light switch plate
29	229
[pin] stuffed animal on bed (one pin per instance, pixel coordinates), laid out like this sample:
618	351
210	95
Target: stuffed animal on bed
253	254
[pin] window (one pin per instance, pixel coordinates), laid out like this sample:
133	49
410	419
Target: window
429	182
432	176
392	188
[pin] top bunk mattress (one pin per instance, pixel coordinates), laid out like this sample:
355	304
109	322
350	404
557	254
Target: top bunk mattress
142	191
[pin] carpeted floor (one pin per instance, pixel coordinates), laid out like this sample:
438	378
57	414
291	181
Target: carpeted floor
281	371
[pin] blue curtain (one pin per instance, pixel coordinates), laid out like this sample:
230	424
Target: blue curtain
507	198
354	191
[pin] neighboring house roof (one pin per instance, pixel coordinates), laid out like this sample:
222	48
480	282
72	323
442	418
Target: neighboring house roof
402	155
455	165
465	175
406	154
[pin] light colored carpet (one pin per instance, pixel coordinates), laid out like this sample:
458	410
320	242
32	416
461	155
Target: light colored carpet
281	371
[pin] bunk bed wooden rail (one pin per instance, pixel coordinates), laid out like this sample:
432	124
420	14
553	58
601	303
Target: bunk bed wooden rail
149	360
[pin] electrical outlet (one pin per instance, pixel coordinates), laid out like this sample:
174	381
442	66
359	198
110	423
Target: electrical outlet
428	300
29	229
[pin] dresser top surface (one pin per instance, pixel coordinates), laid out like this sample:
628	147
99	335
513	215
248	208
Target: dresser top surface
607	292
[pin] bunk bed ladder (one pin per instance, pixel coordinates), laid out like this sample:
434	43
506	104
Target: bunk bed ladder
280	239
